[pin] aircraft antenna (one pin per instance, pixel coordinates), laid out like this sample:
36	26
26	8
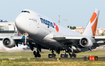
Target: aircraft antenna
59	19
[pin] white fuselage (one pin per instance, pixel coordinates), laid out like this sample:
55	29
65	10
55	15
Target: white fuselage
41	29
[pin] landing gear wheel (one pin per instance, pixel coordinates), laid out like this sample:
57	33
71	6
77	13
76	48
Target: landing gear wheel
72	55
36	54
51	55
64	56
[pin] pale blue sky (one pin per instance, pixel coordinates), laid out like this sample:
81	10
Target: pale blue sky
77	12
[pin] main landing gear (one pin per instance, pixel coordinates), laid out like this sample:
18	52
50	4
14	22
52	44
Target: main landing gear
64	55
71	54
52	55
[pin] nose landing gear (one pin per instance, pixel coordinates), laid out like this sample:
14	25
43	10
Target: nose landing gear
36	54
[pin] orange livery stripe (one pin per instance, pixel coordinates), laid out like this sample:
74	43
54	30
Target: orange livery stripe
94	27
93	17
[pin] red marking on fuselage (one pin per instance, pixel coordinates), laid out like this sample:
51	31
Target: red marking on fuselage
56	27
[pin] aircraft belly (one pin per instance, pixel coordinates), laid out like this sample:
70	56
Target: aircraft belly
47	43
53	45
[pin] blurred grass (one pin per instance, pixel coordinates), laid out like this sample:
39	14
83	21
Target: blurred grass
16	55
27	59
53	63
44	54
100	53
92	53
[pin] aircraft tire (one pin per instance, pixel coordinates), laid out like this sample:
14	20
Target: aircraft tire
64	56
38	55
51	55
74	55
70	55
35	54
54	55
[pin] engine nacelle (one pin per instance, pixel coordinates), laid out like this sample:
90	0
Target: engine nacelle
8	42
86	42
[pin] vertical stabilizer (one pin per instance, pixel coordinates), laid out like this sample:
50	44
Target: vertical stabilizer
90	30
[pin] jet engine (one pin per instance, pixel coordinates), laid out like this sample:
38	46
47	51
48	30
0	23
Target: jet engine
86	42
8	42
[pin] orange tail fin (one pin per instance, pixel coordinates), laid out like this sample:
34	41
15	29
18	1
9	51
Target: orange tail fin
90	30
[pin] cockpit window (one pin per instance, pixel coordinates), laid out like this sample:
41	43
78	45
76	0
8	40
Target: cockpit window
26	11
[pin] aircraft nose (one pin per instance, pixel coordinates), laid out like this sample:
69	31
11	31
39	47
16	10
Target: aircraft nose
18	21
21	23
29	23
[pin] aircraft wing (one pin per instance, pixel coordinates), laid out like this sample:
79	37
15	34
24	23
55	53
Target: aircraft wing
11	41
97	38
67	37
100	38
13	37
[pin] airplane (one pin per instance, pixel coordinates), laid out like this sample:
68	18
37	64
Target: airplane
41	33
